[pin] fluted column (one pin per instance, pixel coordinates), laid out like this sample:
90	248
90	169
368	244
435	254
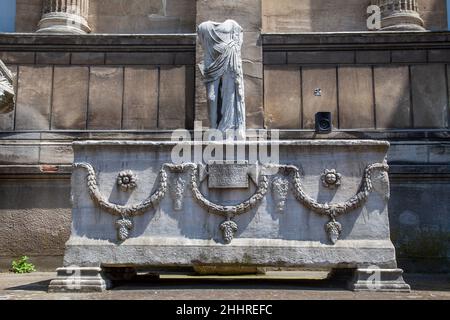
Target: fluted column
64	16
401	15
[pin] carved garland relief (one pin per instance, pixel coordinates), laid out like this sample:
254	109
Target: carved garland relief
280	189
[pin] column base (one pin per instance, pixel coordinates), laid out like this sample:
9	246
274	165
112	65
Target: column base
63	23
77	279
379	280
404	27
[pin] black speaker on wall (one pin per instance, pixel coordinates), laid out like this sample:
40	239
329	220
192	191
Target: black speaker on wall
324	123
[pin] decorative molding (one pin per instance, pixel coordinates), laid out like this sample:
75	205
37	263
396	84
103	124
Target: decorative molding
228	228
334	230
118	210
177	189
331	210
124	226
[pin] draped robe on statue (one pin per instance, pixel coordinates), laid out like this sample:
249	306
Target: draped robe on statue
6	89
223	75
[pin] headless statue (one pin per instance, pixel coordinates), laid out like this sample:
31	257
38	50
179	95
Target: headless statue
6	89
223	75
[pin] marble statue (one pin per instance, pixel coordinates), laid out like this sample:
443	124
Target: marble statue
223	75
6	89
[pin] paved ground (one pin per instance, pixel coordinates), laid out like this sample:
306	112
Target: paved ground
33	287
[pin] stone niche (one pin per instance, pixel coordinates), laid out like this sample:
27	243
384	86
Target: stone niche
322	205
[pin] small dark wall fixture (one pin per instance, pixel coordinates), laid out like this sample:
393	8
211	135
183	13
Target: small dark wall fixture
324	122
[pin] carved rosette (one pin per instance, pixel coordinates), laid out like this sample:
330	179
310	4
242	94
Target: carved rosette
331	179
127	180
177	190
280	189
64	16
228	228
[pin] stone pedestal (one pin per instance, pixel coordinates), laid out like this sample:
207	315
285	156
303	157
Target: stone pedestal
323	205
380	280
79	279
400	15
64	16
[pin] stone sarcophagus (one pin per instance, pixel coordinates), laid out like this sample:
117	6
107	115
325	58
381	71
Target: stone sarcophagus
322	204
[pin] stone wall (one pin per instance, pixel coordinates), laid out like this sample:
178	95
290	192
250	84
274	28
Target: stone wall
146	89
122	16
35	216
366	82
336	15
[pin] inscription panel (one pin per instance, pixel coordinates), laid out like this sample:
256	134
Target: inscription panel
228	175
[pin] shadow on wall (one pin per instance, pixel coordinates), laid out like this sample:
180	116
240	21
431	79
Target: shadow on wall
142	16
336	15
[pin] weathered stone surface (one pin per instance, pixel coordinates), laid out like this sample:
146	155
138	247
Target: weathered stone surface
409	56
89	58
172	98
433	12
393	102
143	58
14	57
17	154
34	98
70	98
140	109
53	57
367	57
254	97
429	96
39	211
105	98
275	58
28	14
421	237
282	97
448	88
410	153
338	15
56	154
356	106
76	279
442	55
142	16
294	238
323	78
314	57
381	280
228	175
